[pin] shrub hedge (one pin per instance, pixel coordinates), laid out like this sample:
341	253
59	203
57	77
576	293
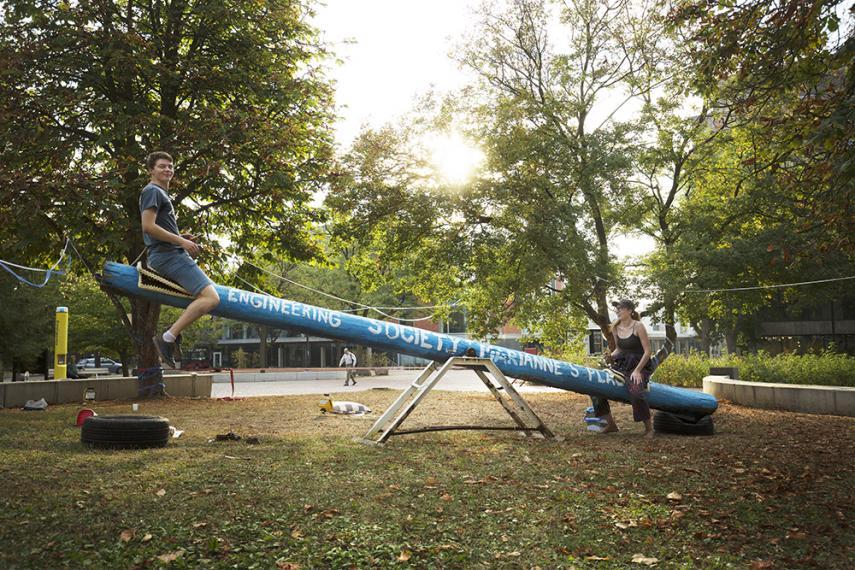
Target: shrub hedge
826	368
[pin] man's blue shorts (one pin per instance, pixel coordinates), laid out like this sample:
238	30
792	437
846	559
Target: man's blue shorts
180	267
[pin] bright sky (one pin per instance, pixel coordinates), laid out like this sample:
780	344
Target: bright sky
392	52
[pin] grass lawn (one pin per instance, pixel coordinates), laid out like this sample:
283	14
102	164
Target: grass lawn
770	490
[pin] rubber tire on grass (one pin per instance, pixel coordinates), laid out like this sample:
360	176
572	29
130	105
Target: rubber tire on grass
125	432
665	422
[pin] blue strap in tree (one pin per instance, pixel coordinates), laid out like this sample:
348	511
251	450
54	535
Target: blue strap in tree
7	265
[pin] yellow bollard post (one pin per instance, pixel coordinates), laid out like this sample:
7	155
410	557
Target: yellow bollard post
60	349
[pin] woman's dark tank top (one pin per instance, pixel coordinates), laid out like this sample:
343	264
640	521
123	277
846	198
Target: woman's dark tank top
630	344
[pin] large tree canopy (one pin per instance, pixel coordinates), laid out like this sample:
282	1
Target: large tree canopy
233	90
750	184
554	188
774	196
784	71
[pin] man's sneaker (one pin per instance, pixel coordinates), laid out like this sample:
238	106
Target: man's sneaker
165	350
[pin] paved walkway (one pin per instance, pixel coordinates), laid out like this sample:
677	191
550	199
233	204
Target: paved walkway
453	381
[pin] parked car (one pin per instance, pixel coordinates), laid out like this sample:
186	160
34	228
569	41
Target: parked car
111	365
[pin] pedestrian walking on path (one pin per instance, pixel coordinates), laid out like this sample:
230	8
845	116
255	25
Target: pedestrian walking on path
348	359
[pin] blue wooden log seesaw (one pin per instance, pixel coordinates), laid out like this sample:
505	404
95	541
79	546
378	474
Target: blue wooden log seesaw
382	335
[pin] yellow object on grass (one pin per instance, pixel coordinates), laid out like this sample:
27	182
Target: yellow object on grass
60	347
347	408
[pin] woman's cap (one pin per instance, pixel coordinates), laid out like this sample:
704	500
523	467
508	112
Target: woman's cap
624	303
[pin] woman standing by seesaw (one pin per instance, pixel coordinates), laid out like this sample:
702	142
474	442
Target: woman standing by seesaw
630	359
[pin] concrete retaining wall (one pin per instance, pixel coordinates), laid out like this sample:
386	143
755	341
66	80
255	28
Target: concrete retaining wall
282	375
834	400
285	374
14	395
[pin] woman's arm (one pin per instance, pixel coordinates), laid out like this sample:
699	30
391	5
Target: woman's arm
645	344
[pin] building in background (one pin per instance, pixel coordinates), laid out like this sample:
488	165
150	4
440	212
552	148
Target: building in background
788	327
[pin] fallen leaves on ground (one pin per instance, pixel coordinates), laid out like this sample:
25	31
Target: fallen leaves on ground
171	556
737	499
645	560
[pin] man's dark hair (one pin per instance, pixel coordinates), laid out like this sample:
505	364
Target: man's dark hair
152	159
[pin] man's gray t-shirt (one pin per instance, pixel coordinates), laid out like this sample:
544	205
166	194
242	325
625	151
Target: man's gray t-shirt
153	196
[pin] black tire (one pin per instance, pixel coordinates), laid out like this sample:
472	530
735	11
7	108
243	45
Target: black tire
125	432
665	422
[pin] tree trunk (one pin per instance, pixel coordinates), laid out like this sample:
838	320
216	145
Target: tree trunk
263	332
730	340
601	319
669	318
144	320
669	299
705	330
44	362
125	367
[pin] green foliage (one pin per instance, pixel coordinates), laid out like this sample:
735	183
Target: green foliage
392	221
552	192
826	369
686	370
339	284
563	334
370	358
27	317
766	171
205	333
232	90
97	87
92	323
241	358
749	189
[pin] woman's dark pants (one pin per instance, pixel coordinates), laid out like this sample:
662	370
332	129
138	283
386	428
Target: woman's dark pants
637	392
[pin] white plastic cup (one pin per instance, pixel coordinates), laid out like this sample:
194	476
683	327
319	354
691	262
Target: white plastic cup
136	407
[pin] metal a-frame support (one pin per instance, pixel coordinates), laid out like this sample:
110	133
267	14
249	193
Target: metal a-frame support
527	421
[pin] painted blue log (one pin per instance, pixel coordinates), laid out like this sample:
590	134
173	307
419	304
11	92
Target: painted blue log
382	335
